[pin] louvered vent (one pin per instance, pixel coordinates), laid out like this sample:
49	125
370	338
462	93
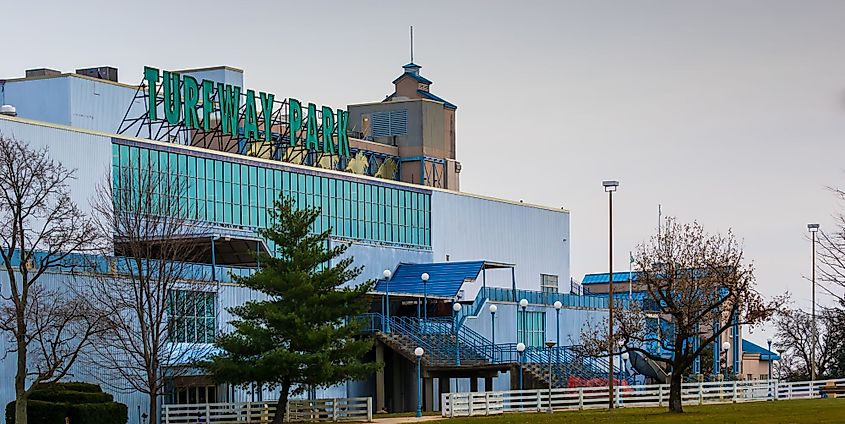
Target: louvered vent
387	124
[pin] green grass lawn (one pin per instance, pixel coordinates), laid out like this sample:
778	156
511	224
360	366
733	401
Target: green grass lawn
781	412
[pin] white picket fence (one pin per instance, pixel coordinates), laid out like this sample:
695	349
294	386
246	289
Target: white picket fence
657	395
334	409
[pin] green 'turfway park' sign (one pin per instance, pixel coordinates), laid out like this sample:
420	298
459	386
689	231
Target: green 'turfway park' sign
184	97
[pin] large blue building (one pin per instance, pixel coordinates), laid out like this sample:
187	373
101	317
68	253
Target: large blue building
386	177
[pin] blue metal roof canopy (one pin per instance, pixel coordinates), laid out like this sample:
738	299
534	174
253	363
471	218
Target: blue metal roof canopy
445	278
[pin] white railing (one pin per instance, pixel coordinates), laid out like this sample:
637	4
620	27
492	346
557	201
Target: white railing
240	412
657	395
335	409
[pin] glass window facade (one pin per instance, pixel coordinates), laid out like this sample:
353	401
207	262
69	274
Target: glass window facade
191	316
236	194
532	328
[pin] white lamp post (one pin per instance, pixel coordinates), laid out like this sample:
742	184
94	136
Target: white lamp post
520	347
557	306
387	274
523	303
424	278
725	347
457	325
418	352
550	344
493	309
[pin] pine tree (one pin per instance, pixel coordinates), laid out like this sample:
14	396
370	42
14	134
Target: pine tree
302	334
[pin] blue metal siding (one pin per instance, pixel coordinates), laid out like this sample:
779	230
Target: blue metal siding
44	99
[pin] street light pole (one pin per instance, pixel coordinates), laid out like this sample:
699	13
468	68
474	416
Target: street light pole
418	352
387	274
814	228
424	278
769	341
520	347
457	325
725	347
550	344
558	305
493	309
523	303
610	187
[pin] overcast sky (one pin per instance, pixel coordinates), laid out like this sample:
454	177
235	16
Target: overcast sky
731	113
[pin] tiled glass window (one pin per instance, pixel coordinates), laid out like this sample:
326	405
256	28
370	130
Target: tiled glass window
239	195
532	328
191	316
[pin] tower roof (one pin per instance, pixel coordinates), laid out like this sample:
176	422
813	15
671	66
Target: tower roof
413	70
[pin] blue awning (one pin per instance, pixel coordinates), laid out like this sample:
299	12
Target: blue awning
445	278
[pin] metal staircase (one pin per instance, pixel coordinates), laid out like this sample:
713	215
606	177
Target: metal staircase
450	345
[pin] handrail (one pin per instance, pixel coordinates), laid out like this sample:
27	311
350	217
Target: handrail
437	337
593	301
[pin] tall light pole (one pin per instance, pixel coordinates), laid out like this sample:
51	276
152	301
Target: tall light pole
523	303
387	274
550	344
493	309
456	307
418	352
726	346
558	305
814	228
424	278
520	347
609	187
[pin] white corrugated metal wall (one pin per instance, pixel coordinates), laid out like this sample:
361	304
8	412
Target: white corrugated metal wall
536	240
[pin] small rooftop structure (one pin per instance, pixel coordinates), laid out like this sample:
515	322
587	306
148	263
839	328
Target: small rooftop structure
765	354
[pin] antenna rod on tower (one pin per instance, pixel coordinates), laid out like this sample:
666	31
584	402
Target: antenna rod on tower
412	44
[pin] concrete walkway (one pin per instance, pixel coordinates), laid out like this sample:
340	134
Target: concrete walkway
398	420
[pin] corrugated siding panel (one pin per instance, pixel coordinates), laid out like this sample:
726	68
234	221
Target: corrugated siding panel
469	228
89	155
101	106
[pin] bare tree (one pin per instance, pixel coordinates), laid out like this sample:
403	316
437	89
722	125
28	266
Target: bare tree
698	285
831	254
154	284
795	337
41	230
